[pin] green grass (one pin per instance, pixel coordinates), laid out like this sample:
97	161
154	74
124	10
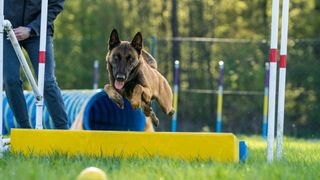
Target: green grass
301	161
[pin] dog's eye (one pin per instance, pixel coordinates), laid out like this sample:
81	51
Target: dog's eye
129	58
116	57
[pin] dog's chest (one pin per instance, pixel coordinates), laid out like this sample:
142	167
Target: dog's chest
129	86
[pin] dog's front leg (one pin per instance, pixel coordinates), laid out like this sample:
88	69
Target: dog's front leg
136	97
114	95
140	93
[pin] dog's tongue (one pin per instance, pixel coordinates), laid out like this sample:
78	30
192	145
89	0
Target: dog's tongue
119	84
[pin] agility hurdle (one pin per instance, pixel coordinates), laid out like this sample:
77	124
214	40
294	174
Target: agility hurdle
221	147
97	109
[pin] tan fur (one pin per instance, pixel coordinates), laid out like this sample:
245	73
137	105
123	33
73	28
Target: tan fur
149	127
155	86
143	81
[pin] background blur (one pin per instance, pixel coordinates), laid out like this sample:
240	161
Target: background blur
239	33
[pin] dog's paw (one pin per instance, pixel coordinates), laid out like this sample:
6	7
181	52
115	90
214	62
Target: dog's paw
114	96
135	106
135	103
146	97
108	88
170	113
118	100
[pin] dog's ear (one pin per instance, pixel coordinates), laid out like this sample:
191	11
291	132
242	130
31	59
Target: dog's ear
137	42
114	39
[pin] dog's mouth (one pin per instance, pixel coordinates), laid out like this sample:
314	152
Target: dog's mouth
119	82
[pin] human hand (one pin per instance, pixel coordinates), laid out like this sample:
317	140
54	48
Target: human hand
22	33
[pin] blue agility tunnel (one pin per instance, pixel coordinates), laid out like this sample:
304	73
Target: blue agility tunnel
94	108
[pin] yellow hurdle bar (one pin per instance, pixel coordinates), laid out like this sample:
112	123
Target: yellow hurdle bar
222	147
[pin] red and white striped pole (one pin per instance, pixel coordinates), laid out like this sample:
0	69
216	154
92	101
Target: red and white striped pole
282	76
272	78
42	60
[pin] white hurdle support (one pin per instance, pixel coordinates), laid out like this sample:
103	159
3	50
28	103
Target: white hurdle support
42	60
272	79
16	46
282	77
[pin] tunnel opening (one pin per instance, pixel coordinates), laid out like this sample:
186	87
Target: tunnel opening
102	114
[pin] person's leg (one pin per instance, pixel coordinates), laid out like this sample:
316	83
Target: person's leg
13	85
52	94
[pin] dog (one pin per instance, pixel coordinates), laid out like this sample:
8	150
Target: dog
133	74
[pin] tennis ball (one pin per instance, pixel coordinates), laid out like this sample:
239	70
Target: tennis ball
92	173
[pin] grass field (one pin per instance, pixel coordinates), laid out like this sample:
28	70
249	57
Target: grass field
301	161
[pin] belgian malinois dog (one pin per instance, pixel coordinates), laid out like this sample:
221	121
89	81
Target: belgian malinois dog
133	74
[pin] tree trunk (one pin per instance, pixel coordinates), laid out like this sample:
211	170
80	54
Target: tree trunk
265	16
175	32
190	70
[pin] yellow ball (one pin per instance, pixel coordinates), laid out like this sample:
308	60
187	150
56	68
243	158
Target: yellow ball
92	173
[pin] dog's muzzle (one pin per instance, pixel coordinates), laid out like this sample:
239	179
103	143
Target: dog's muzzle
120	77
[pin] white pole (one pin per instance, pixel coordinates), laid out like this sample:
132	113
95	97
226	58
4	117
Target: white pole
42	60
21	57
282	77
95	74
265	101
1	70
220	97
272	78
175	94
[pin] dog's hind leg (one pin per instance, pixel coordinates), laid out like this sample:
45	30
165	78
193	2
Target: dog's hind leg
141	97
148	111
154	119
114	95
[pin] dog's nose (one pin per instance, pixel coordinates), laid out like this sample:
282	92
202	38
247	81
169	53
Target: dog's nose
121	77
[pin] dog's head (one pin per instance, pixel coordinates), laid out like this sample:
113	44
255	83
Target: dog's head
123	57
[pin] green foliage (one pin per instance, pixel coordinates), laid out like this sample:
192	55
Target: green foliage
83	29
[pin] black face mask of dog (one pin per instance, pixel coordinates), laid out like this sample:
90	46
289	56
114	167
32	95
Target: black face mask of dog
123	57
